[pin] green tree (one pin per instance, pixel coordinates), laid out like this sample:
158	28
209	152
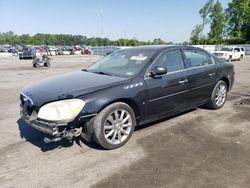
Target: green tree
197	36
215	36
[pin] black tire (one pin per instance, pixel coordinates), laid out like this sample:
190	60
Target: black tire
36	65
98	125
229	59
212	103
47	64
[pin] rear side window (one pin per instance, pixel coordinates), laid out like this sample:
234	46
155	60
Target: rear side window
171	60
242	49
195	58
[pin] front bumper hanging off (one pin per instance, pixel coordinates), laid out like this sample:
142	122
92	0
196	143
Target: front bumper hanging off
60	130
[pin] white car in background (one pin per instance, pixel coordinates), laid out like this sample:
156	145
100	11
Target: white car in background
231	53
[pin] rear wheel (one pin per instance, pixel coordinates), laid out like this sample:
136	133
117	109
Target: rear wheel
241	58
229	59
114	125
47	64
219	96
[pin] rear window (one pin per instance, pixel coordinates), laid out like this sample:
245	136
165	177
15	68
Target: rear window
242	49
196	58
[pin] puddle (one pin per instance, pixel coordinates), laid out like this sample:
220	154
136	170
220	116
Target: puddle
245	101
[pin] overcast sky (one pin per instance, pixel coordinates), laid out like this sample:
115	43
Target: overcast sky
171	20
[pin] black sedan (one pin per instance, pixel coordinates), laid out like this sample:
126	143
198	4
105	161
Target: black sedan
127	88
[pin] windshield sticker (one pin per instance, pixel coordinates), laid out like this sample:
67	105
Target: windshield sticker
130	73
138	58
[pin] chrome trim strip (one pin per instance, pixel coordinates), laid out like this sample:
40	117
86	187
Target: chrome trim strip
184	69
152	100
26	96
200	86
90	115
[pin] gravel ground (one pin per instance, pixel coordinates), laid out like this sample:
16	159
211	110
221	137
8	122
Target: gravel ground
199	148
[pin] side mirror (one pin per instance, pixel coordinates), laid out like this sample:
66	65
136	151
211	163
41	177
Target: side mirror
158	71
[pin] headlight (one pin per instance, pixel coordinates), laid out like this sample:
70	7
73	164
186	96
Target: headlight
65	110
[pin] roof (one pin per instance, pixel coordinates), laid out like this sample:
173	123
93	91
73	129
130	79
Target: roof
162	47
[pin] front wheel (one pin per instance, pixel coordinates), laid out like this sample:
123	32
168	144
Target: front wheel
114	125
219	96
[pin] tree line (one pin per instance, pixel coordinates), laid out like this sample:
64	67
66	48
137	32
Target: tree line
70	40
229	26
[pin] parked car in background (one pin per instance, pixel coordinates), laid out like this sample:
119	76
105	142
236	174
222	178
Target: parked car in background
30	52
127	88
87	51
231	53
76	50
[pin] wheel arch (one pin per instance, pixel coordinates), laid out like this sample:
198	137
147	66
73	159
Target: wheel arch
226	80
129	102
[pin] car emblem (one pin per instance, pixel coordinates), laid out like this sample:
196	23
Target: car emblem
133	85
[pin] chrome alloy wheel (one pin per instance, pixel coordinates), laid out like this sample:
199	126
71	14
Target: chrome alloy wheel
117	126
221	94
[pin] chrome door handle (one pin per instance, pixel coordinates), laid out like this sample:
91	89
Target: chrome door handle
211	74
183	81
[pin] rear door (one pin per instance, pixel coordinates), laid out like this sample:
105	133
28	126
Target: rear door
202	76
167	94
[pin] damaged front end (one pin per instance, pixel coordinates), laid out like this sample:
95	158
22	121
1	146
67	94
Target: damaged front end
55	129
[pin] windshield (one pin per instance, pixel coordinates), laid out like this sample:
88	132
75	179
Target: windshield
227	49
123	63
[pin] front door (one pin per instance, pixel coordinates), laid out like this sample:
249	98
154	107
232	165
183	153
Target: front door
167	94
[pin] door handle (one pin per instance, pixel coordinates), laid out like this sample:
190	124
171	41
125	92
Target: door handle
211	74
183	81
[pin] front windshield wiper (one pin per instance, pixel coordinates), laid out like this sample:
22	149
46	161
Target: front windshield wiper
103	73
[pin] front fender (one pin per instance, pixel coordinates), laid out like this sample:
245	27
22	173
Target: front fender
133	91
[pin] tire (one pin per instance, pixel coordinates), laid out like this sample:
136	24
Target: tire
36	65
220	89
241	58
47	64
109	131
230	59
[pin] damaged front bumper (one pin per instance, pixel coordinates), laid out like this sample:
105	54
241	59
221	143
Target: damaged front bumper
59	130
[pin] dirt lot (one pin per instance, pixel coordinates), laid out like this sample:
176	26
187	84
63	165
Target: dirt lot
200	148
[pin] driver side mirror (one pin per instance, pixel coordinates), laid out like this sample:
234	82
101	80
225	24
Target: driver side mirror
158	71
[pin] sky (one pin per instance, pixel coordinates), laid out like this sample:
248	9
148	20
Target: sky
170	20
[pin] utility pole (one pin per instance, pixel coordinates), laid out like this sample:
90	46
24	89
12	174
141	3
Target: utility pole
125	33
101	20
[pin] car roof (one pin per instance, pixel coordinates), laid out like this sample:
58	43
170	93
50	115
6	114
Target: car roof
163	47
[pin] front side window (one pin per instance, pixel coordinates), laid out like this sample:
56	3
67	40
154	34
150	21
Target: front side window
171	60
195	58
237	49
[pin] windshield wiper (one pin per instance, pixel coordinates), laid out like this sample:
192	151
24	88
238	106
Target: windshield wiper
103	73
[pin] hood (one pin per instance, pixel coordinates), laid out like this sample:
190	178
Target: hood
69	86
